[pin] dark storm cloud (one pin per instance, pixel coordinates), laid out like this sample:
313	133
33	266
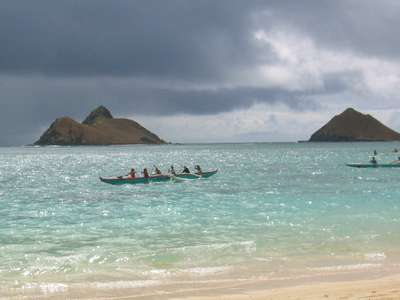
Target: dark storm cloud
195	40
176	39
181	39
64	57
167	102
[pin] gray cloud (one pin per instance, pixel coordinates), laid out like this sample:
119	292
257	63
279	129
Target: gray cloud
364	26
142	38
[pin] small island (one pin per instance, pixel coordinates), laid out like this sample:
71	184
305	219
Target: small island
353	126
99	128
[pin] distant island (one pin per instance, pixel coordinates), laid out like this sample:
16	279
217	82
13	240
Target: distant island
99	128
353	126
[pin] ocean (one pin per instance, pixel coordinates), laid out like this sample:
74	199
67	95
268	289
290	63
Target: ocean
274	210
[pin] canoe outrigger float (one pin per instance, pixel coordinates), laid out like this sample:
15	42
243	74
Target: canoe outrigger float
396	165
196	175
156	178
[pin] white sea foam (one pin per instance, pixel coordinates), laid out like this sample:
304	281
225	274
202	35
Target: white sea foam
46	288
266	259
351	267
94	258
52	288
123	284
378	256
159	273
207	271
247	246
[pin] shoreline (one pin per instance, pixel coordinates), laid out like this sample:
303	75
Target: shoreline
381	283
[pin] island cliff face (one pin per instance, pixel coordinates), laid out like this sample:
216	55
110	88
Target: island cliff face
353	126
99	128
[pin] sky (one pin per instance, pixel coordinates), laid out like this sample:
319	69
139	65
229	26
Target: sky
198	71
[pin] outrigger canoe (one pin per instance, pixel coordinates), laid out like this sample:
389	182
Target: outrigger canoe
137	180
196	175
395	165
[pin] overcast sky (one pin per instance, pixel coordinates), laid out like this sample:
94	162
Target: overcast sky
198	70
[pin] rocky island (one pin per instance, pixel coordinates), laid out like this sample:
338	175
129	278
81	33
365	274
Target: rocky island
99	128
353	126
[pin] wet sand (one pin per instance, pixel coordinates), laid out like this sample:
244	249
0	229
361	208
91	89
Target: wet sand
378	289
343	286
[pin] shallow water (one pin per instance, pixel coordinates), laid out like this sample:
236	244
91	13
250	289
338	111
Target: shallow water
272	209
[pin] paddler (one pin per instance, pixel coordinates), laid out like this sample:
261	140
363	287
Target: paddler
198	169
172	170
375	152
373	160
185	170
132	174
145	173
157	170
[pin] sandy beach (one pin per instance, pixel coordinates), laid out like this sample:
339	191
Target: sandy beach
386	288
383	288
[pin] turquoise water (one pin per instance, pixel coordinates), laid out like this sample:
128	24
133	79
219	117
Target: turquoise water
272	208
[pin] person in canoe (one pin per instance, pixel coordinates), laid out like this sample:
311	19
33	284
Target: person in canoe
145	173
198	169
172	170
157	170
132	173
186	170
373	160
375	153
